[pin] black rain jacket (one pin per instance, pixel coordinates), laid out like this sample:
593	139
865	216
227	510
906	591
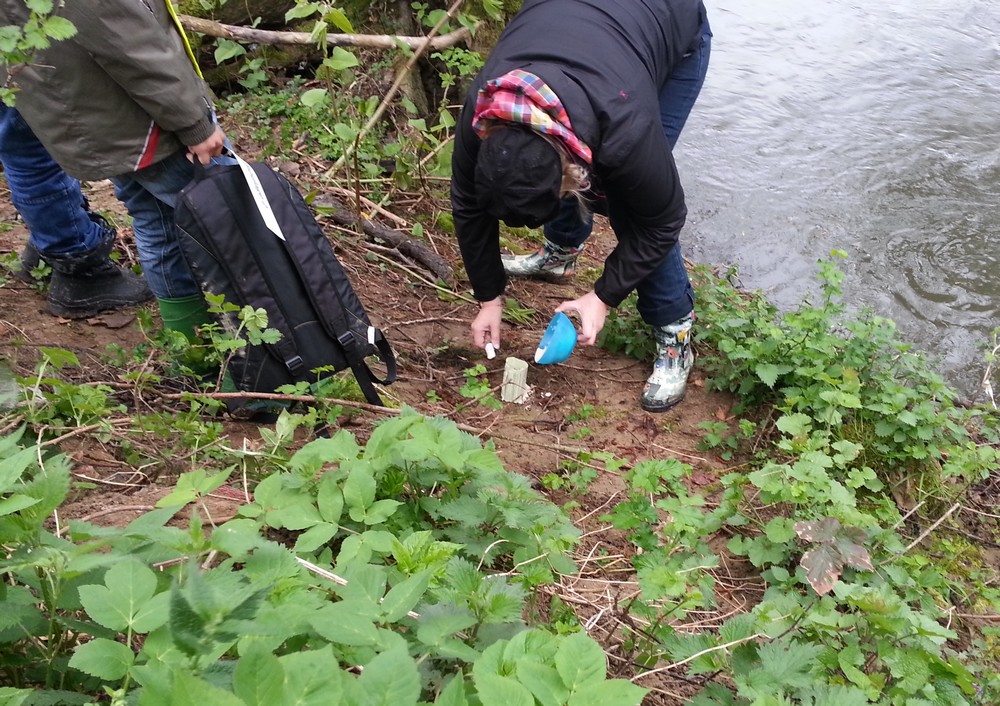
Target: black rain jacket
606	60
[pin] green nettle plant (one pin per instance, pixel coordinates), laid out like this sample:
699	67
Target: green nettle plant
394	573
851	614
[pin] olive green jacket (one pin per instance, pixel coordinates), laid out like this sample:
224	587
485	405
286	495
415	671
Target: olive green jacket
119	96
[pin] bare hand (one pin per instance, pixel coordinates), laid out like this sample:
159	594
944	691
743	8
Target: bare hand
592	312
486	325
212	147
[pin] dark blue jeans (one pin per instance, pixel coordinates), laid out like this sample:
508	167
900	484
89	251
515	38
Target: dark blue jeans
48	199
666	294
150	195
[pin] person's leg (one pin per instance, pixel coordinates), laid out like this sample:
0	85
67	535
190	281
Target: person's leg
666	302
62	230
49	200
565	236
681	90
666	298
149	195
666	294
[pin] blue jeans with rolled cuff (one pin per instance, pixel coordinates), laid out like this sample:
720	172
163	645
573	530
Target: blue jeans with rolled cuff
666	294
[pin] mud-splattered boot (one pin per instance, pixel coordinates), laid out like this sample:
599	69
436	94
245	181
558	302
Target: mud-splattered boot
674	360
85	284
30	259
552	262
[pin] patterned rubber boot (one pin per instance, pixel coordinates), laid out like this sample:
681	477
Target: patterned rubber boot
674	360
553	262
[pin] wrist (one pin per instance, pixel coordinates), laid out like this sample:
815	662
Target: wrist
498	303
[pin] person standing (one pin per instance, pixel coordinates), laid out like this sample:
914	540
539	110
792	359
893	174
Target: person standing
560	124
63	231
123	99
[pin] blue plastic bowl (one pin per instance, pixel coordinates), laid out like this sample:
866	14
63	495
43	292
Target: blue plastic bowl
557	342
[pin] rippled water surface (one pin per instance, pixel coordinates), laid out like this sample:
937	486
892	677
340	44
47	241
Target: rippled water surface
869	127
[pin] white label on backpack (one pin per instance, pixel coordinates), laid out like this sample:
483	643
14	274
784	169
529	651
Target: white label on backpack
260	198
371	335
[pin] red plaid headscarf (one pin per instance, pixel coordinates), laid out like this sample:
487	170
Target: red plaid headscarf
522	97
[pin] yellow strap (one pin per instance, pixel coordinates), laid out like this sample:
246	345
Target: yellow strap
187	45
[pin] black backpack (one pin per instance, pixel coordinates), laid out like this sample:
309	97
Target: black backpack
247	234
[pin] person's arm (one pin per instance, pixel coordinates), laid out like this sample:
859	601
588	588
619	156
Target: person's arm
130	42
478	236
646	208
478	233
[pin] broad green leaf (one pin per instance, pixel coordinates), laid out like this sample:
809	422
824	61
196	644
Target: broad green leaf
391	679
780	530
102	658
340	59
301	10
315	537
495	690
542	681
40	7
59	28
226	49
841	696
188	690
154	613
789	664
10	696
330	499
768	373
59	358
299	515
453	694
345	623
794	424
314	679
616	691
359	491
580	662
186	627
314	97
404	596
315	455
380	511
12	467
128	587
259	679
236	538
9	506
434	628
339	20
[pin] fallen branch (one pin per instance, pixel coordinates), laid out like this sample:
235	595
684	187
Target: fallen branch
249	35
413	249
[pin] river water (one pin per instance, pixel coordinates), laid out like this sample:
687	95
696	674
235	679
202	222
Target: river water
868	127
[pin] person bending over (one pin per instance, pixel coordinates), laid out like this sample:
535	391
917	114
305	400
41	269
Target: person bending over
576	111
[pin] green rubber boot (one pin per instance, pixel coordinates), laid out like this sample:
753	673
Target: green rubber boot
184	315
